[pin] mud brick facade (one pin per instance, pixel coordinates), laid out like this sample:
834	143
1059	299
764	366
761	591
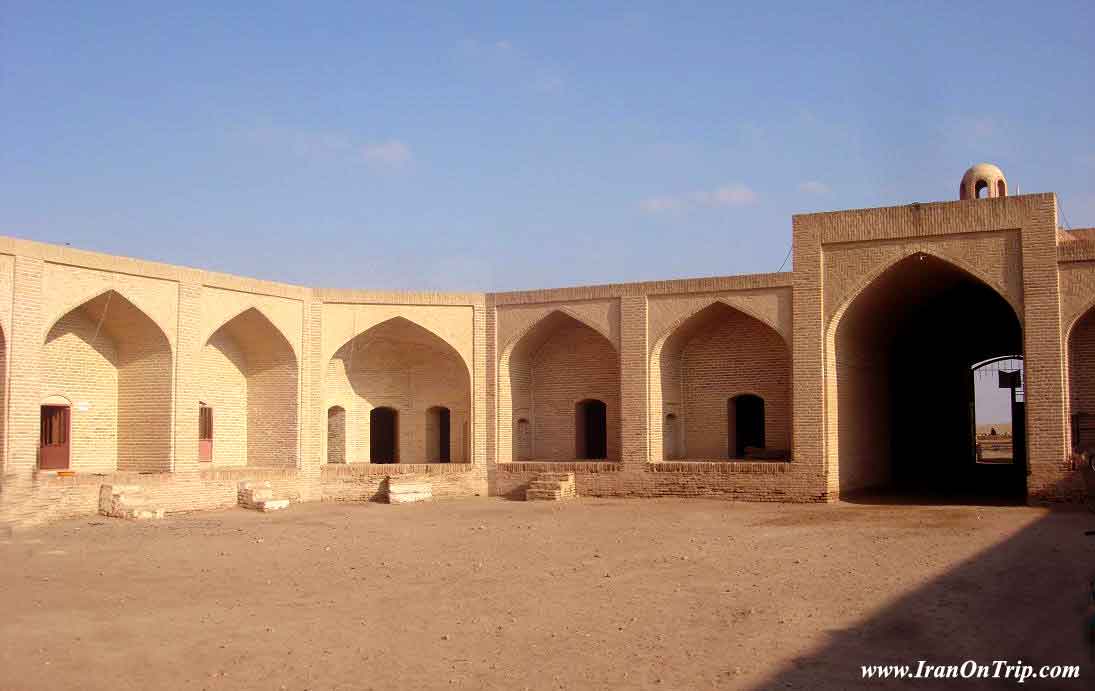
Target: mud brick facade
641	389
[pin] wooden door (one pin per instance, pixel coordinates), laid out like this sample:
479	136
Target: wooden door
205	433
53	445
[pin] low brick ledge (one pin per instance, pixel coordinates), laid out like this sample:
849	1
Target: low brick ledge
559	467
337	470
715	467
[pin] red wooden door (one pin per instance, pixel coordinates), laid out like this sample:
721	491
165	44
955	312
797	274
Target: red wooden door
205	433
54	438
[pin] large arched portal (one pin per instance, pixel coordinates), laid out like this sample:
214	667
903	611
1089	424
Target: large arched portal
1081	382
114	363
419	377
901	405
546	375
249	378
722	383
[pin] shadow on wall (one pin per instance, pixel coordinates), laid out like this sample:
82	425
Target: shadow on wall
1026	599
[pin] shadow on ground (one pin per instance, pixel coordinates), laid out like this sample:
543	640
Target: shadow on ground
1026	599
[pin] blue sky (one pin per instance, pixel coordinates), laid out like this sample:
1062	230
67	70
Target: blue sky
503	146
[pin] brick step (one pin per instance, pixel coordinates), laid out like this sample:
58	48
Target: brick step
405	492
268	505
557	477
546	484
551	486
258	496
533	494
128	502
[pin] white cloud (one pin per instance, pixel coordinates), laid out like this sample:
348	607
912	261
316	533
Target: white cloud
813	187
503	45
392	153
653	205
732	194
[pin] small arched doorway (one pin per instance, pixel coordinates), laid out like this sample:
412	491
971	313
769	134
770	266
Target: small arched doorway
591	426
383	435
336	434
438	434
671	437
745	424
522	440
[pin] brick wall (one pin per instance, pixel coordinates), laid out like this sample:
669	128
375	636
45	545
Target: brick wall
715	355
547	372
272	359
249	377
399	364
113	364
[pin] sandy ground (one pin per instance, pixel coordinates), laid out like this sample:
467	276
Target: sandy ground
596	593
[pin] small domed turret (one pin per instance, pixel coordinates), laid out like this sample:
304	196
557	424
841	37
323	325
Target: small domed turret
983	180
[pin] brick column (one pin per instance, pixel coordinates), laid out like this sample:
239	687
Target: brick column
482	401
188	350
1044	362
25	374
490	386
634	400
809	374
312	416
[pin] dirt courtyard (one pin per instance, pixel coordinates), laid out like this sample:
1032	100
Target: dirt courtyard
595	593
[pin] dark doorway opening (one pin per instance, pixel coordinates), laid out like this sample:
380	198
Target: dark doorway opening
439	435
745	417
55	432
336	434
383	435
904	349
591	418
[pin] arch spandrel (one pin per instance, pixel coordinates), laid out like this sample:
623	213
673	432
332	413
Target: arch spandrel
995	259
453	325
154	299
667	314
515	322
220	306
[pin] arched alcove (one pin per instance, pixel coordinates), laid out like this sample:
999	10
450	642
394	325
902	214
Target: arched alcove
543	374
115	364
407	368
1081	382
336	434
714	355
899	399
249	375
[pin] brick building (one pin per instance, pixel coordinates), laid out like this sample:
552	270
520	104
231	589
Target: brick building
849	374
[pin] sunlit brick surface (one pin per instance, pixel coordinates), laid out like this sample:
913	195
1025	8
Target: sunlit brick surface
135	347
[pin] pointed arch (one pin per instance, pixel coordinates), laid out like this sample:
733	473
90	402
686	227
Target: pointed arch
250	375
898	396
402	321
544	372
710	355
92	296
917	253
116	361
668	331
1080	358
544	321
3	399
400	365
254	311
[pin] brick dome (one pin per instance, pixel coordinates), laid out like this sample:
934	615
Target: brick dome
983	176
